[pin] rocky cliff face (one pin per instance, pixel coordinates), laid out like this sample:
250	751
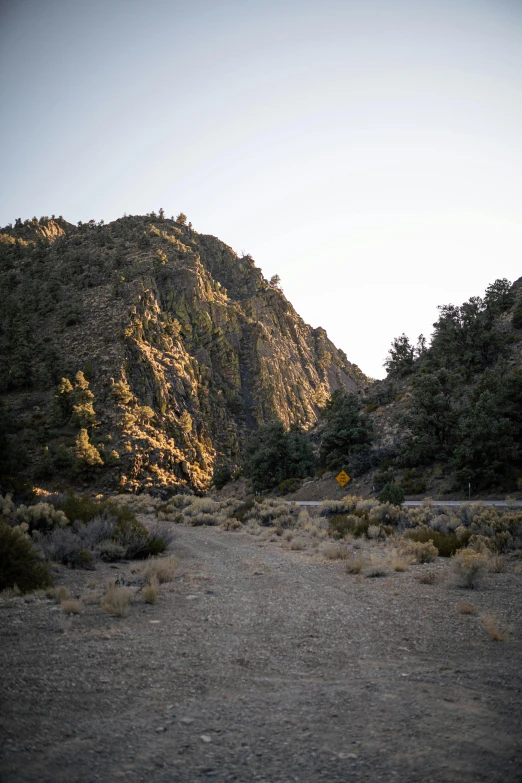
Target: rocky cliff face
185	346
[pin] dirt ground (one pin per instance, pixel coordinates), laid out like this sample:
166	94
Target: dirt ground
259	663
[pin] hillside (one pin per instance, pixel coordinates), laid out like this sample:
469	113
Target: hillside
448	416
182	348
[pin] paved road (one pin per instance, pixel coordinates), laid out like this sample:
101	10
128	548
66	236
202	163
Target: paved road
503	503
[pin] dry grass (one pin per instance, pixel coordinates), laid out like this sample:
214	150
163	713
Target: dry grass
375	568
150	594
469	567
490	623
116	600
355	564
428	579
159	569
465	607
334	552
496	564
59	594
70	606
399	561
298	544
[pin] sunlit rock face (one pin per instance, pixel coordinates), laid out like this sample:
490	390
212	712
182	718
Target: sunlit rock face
204	348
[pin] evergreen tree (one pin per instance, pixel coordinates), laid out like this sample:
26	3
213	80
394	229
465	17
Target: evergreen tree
348	432
272	455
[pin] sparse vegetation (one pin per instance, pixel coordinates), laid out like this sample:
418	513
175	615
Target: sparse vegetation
116	600
469	567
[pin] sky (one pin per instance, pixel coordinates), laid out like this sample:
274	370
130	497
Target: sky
366	151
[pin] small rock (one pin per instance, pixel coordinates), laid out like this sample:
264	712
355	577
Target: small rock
160	729
191	597
206	738
188	721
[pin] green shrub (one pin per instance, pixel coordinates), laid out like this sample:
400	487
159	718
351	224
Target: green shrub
341	524
82	508
20	563
290	485
392	493
222	476
421	551
447	543
413	482
243	510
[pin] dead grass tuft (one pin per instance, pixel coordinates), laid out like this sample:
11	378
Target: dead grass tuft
116	600
490	623
428	579
59	594
161	569
375	568
334	552
399	561
355	564
298	544
496	564
465	607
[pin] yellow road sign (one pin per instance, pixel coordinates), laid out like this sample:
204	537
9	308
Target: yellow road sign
343	478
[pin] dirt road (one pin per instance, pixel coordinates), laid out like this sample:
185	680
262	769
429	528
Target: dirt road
259	664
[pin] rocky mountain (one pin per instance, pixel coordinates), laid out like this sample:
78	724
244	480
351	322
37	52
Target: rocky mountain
141	353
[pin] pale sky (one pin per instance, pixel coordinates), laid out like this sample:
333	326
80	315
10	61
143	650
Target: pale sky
367	151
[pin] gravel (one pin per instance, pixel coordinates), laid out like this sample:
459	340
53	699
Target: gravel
259	663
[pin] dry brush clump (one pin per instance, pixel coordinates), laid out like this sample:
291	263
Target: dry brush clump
492	626
469	567
116	600
74	530
159	570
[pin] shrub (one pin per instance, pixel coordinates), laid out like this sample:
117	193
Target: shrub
243	510
42	517
469	567
345	506
334	552
135	538
159	570
59	593
421	552
20	563
87	454
116	600
121	392
222	475
385	514
150	594
491	624
355	564
446	543
399	560
466	608
392	493
413	482
109	551
65	545
341	524
230	523
290	485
